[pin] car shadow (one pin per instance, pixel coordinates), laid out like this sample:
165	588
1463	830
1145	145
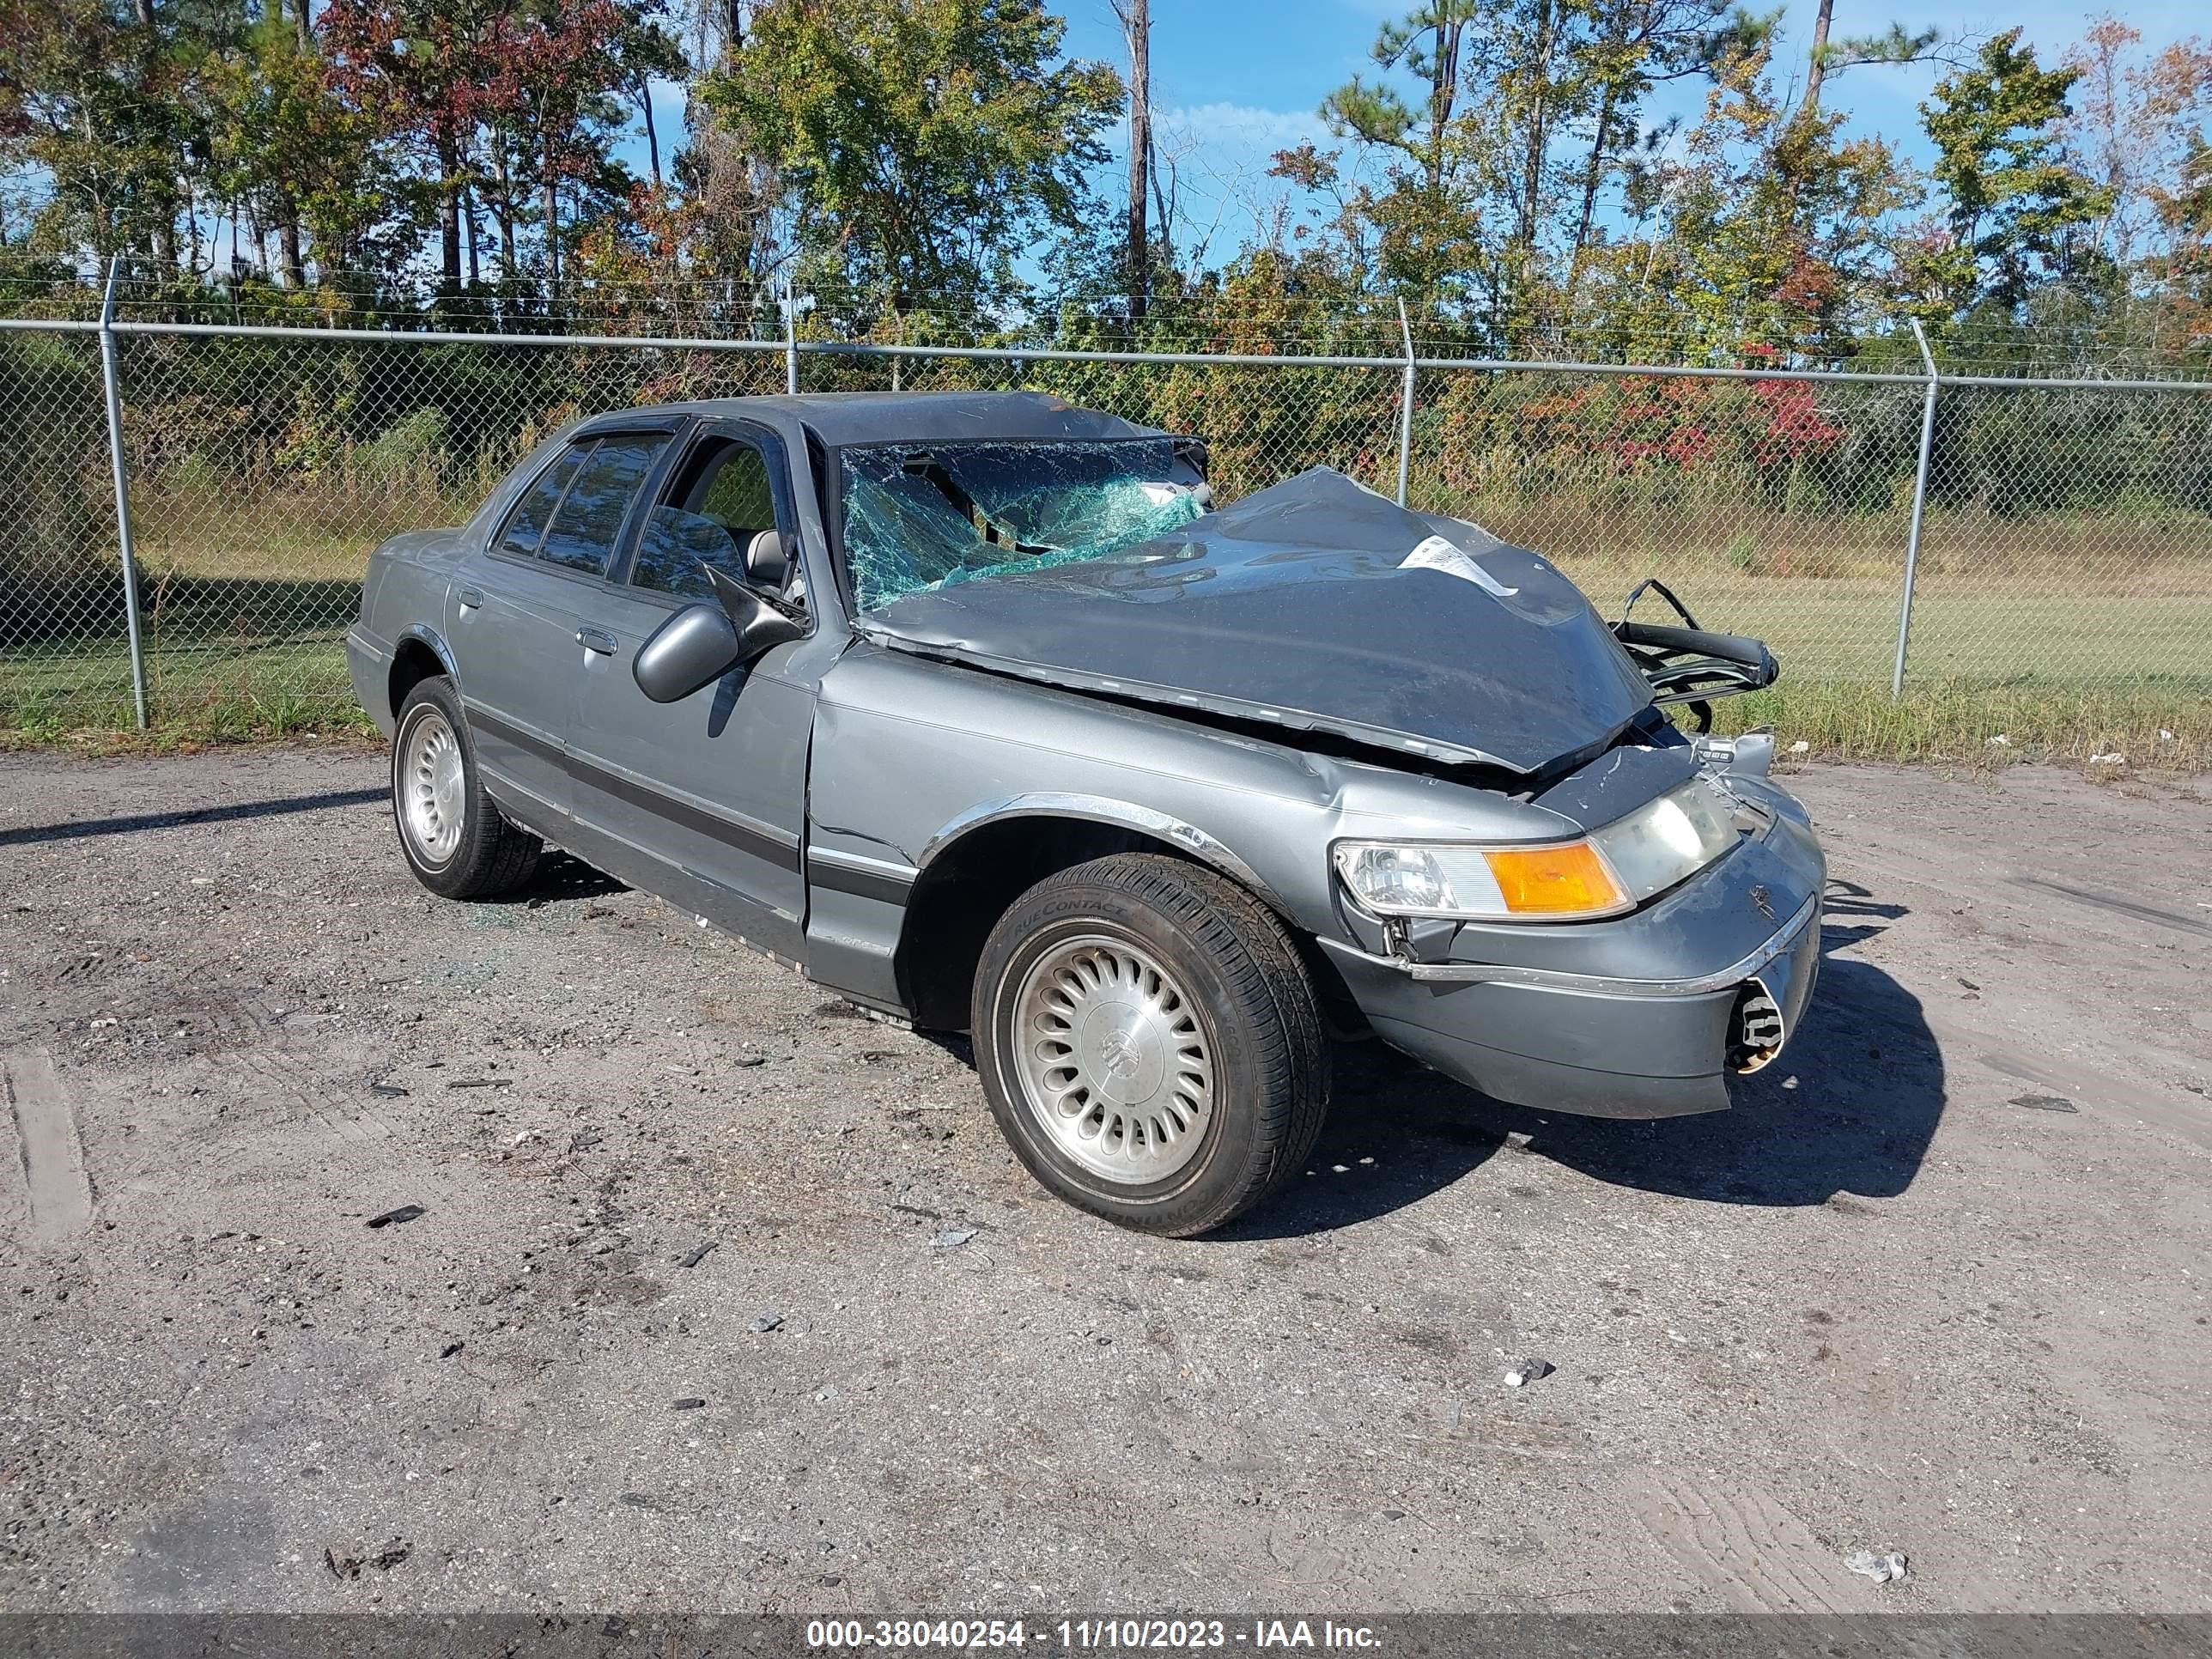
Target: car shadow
1849	1108
557	879
236	812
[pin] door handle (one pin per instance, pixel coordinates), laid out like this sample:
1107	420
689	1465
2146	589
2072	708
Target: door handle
593	639
472	596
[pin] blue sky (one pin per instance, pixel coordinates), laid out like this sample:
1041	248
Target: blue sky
1234	81
1242	78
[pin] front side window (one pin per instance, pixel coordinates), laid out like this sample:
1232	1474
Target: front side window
582	534
719	499
918	517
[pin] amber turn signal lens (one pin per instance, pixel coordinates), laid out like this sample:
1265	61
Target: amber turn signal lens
1566	879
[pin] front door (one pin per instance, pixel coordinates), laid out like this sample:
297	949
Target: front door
712	788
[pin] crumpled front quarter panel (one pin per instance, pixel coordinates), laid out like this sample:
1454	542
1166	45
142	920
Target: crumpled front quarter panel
905	748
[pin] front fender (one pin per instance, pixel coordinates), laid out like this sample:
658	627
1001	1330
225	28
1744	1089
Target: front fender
1102	809
909	755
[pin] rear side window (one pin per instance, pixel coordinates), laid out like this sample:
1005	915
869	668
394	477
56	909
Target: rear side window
590	516
525	524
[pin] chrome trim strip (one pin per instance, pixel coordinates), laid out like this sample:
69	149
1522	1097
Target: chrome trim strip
861	862
1786	939
858	874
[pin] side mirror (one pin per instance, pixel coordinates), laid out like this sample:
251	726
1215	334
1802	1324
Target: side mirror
695	647
702	642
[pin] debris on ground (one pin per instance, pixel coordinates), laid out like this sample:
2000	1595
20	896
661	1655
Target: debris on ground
584	1139
450	1349
389	1091
350	1566
698	1252
690	1402
1528	1372
2000	741
753	1059
1801	747
951	1238
394	1217
2045	1102
480	1082
2113	759
1881	1566
766	1323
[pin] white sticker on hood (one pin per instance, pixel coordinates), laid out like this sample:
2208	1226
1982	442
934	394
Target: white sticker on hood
1438	554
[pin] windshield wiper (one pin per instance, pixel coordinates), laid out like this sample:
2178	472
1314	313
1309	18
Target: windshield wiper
1691	664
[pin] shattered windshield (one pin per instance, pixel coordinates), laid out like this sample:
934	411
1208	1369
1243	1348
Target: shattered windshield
924	516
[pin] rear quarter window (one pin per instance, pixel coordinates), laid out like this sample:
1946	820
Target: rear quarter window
590	514
525	524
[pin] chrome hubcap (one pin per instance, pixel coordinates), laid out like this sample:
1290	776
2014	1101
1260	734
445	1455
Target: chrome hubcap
1112	1060
430	793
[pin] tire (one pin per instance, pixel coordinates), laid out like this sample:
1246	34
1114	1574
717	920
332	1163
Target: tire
482	855
1150	1044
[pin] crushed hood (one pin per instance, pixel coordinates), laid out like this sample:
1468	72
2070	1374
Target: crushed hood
1318	605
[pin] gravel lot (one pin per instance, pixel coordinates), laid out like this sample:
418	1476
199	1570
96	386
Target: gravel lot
1938	1286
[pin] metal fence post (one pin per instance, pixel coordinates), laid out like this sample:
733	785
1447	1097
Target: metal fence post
1919	508
790	337
1405	406
111	379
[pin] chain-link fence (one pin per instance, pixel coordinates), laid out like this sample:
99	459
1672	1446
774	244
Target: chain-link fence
2037	532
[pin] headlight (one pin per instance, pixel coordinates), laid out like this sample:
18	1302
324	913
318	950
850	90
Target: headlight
1662	843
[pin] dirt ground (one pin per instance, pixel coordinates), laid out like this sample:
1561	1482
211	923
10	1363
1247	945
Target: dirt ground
1938	1285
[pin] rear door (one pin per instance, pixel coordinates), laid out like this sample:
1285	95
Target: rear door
512	622
516	622
712	789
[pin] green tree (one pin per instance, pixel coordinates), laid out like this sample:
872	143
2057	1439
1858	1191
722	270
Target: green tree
286	153
1772	230
1638	44
1428	220
93	95
1526	113
921	144
417	68
2011	195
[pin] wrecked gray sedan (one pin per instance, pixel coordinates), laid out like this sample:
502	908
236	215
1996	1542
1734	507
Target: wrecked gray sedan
979	711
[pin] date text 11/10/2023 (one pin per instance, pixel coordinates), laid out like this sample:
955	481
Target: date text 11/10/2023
1090	1635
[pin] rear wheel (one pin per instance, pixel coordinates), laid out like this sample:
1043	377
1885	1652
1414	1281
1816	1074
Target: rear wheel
455	838
1150	1042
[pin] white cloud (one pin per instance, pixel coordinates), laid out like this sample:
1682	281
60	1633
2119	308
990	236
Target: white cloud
1244	126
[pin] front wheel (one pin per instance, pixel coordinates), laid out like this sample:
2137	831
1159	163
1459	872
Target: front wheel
456	840
1150	1042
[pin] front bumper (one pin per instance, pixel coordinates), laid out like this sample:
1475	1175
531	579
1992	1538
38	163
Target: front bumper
1605	1045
